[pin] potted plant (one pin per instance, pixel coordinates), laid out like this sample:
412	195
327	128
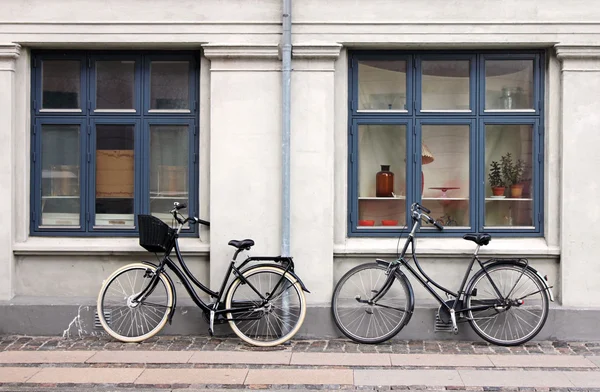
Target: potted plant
513	174
495	177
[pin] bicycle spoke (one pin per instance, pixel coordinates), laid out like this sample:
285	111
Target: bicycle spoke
513	322
369	322
276	317
130	319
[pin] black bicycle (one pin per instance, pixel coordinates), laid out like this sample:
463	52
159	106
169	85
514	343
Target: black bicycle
506	301
264	304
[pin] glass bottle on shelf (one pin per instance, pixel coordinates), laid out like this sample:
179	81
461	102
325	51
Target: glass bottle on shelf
384	182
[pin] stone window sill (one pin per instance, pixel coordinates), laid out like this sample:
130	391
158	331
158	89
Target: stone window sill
448	247
98	246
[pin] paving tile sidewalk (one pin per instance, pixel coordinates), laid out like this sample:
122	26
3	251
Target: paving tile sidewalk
94	366
201	343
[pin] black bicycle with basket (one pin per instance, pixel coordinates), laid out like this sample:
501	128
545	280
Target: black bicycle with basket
264	304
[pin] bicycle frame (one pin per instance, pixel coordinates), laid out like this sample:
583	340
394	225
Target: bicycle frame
188	280
427	282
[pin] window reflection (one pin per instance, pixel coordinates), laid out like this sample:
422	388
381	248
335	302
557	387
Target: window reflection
382	85
61	82
382	175
445	85
169	181
60	175
509	175
508	84
169	85
115	84
445	173
114	175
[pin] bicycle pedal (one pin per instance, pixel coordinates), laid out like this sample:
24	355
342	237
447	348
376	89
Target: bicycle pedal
440	326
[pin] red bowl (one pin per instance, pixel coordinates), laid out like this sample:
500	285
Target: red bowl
366	223
389	222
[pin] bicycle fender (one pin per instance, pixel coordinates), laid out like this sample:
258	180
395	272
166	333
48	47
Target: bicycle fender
411	294
281	268
172	312
494	262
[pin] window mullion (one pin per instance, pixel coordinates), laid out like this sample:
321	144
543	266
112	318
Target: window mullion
89	169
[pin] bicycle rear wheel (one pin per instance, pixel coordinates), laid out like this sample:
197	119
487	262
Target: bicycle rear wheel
364	320
517	319
127	320
271	323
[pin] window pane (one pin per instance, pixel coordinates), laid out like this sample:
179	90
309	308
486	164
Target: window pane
509	158
60	175
115	83
381	175
168	168
170	85
445	173
114	175
382	85
445	85
508	84
61	81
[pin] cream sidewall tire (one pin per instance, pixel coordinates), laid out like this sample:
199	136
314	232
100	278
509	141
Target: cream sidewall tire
298	288
162	323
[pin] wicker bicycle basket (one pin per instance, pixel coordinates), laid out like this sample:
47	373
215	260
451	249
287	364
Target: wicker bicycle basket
155	235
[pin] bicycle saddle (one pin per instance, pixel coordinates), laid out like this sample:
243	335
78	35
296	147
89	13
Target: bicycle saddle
247	243
479	239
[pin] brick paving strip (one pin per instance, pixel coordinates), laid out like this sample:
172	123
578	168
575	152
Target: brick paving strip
330	370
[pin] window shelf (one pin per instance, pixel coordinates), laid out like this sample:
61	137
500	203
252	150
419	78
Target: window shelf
382	198
506	198
445	198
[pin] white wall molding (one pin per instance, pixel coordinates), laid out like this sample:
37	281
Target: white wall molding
248	51
578	58
316	50
10	51
569	52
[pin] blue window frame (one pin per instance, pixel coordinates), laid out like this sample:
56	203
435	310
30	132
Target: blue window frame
114	135
430	127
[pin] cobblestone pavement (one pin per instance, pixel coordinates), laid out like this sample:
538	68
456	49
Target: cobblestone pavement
200	343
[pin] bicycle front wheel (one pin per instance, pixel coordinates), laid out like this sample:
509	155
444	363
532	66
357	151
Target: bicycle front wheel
125	319
266	323
515	319
367	311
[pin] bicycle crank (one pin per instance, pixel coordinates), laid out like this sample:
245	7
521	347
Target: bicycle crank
445	320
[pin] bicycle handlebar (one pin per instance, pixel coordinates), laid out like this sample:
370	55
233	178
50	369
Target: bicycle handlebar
179	206
422	212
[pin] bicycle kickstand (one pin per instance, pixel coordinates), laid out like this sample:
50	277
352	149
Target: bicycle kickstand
453	318
211	323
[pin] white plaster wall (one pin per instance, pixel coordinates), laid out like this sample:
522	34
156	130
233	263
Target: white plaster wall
109	11
82	276
580	212
245	181
366	23
312	169
8	56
